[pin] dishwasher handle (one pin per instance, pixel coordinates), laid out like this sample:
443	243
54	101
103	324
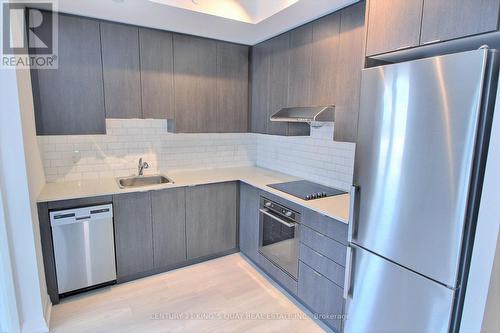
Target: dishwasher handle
79	215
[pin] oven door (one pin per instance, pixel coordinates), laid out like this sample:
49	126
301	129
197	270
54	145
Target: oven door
279	241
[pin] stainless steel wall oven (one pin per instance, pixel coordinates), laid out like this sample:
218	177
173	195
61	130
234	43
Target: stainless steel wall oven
279	235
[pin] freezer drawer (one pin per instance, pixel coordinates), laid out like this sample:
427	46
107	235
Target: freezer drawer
387	298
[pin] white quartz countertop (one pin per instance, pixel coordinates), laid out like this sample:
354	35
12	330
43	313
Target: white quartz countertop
336	207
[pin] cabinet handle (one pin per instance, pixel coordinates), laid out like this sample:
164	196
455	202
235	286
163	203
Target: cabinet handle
404	47
318	254
348	272
432	41
352	212
317	274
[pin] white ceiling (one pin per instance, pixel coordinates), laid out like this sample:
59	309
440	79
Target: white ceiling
241	21
249	11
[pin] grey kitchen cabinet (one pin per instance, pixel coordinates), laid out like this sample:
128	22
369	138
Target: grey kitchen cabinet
325	59
324	245
393	25
325	225
157	74
299	77
260	85
320	63
69	99
249	221
348	75
211	219
195	79
133	233
321	264
447	19
270	70
232	87
121	70
322	296
278	77
169	226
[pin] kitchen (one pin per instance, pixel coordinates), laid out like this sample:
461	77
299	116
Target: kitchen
181	165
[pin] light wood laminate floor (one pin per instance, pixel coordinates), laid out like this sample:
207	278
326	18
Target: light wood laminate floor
207	297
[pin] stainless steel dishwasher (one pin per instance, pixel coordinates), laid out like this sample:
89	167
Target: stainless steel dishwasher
84	247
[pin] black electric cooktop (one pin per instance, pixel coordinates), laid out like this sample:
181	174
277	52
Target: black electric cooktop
306	190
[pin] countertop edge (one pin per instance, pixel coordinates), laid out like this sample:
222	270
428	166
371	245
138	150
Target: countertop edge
246	180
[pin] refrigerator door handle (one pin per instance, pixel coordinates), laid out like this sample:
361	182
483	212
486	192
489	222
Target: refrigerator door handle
352	212
348	272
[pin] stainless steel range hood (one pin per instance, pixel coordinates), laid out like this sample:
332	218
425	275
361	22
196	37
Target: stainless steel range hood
308	114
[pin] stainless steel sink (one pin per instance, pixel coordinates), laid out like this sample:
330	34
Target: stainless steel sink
139	181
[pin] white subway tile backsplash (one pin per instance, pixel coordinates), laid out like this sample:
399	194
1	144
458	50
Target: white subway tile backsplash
316	158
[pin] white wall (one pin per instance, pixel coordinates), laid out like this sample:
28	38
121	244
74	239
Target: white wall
485	241
21	179
35	172
491	320
9	312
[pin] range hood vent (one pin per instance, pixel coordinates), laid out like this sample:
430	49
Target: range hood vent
308	114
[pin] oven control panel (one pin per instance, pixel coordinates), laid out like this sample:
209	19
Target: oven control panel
279	209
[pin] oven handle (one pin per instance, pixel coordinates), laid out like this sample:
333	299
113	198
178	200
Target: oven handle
288	224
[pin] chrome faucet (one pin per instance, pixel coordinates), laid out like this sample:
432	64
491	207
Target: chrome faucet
142	166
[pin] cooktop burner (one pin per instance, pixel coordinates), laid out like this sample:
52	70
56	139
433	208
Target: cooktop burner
306	190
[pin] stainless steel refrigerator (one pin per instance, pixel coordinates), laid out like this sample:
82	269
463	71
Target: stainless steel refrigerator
422	137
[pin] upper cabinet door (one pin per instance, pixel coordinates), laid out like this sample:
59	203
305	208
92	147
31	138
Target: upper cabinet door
278	78
299	84
393	25
232	87
448	19
260	87
120	58
195	78
348	76
157	74
325	56
69	100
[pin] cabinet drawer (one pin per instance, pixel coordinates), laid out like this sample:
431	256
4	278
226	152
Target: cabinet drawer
326	225
277	274
324	245
322	296
322	264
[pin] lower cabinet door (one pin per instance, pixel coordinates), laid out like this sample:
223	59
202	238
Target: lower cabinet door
169	226
323	297
249	221
133	233
211	219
